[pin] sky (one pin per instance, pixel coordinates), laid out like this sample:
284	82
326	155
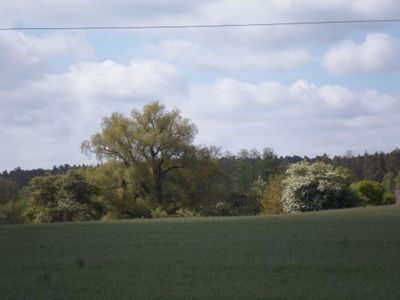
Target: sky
304	90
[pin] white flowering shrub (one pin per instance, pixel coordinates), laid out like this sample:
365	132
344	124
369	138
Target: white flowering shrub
316	186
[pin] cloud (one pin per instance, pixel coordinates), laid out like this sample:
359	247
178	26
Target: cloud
301	118
145	12
186	53
88	12
54	90
378	53
45	120
26	56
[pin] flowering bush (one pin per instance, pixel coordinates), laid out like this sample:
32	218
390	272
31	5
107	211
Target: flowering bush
316	186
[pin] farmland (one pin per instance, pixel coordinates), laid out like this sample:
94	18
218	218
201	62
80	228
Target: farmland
335	254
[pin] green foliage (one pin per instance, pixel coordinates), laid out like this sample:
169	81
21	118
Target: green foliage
369	192
271	202
118	190
61	198
12	212
154	142
141	209
389	182
159	212
112	215
388	198
239	204
195	185
185	212
221	208
249	165
138	209
150	156
315	186
258	192
8	190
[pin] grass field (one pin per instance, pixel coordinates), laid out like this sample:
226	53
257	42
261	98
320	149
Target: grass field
341	254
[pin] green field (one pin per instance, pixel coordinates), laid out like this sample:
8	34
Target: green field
341	254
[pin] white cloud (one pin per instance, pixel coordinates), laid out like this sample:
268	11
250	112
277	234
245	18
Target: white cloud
378	53
24	56
54	91
47	119
336	96
89	12
145	12
227	58
140	79
301	118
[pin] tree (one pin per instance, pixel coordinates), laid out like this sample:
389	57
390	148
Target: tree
270	163
61	198
197	185
243	179
315	186
154	142
271	203
369	192
389	182
116	193
8	190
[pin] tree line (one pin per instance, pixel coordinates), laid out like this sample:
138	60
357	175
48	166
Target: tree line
148	166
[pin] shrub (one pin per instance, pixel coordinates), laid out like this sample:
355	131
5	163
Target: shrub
221	208
8	190
315	186
369	192
61	198
141	209
159	212
185	212
388	198
112	215
12	212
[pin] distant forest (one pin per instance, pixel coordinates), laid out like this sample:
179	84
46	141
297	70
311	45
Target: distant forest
239	171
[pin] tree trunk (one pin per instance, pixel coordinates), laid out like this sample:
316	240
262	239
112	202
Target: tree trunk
159	190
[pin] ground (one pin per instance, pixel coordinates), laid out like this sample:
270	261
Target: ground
339	254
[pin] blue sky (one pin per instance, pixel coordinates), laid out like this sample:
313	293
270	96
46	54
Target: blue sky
302	90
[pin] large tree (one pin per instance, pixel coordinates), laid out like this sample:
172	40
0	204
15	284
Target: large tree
154	142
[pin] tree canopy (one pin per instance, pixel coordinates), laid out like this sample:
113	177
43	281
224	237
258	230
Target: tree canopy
154	142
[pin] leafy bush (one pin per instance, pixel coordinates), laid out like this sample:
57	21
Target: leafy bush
12	212
8	190
185	212
141	209
159	212
61	198
221	208
388	198
316	186
369	192
112	215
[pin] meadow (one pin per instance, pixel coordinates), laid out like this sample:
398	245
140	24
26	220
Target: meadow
337	254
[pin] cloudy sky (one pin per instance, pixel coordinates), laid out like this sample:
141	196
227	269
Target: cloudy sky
303	90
